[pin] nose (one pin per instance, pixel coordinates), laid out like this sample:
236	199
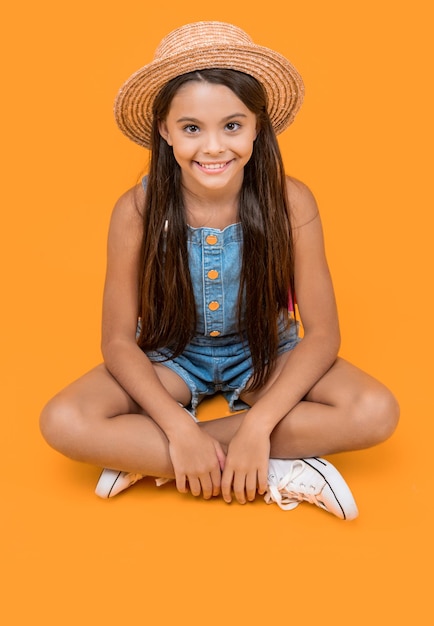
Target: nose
213	143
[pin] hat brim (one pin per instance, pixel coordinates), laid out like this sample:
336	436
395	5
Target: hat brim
282	83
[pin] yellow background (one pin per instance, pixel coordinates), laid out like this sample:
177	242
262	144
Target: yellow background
363	143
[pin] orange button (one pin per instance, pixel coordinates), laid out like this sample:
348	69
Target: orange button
213	306
214	333
213	274
211	239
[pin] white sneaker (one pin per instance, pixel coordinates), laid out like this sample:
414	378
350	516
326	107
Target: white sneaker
111	482
311	480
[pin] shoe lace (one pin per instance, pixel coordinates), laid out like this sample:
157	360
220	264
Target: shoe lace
291	489
133	478
162	481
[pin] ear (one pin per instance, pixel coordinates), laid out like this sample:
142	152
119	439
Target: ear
162	127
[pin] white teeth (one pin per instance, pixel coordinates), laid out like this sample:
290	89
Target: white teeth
212	166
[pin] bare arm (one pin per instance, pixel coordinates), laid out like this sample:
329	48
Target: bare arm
248	454
197	458
122	357
307	363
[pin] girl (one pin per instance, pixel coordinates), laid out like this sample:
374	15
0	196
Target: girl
201	259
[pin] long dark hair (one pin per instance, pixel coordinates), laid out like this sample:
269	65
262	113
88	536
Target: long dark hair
166	300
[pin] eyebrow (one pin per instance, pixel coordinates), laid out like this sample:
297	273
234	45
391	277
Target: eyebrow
196	121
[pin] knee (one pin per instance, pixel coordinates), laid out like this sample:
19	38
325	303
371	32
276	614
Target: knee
377	412
60	423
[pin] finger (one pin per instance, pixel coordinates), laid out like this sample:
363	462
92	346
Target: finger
181	483
240	487
262	480
216	478
207	487
251	485
226	485
195	487
221	456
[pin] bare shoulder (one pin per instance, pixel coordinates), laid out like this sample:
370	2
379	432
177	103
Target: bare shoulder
131	203
302	204
127	215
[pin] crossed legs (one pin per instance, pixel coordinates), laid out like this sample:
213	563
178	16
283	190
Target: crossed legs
94	420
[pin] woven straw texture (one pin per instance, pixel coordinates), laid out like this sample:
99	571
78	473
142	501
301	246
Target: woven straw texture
205	45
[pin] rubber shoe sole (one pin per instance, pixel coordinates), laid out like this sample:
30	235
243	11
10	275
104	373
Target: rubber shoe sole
337	496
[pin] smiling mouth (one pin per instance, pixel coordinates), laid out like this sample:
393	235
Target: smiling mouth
213	166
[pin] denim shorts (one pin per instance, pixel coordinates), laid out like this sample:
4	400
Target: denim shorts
222	365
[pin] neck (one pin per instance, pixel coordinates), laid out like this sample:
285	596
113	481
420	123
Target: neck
212	210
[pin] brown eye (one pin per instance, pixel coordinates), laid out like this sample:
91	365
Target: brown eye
231	126
191	128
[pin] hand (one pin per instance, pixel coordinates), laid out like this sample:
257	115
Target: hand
246	466
198	459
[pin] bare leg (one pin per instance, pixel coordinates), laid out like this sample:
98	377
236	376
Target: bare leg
346	410
94	420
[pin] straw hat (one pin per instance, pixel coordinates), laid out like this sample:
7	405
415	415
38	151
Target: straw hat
204	45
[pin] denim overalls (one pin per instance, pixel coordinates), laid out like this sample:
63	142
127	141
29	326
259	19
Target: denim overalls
217	359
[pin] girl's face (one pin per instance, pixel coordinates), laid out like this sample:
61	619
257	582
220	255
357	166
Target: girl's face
211	132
